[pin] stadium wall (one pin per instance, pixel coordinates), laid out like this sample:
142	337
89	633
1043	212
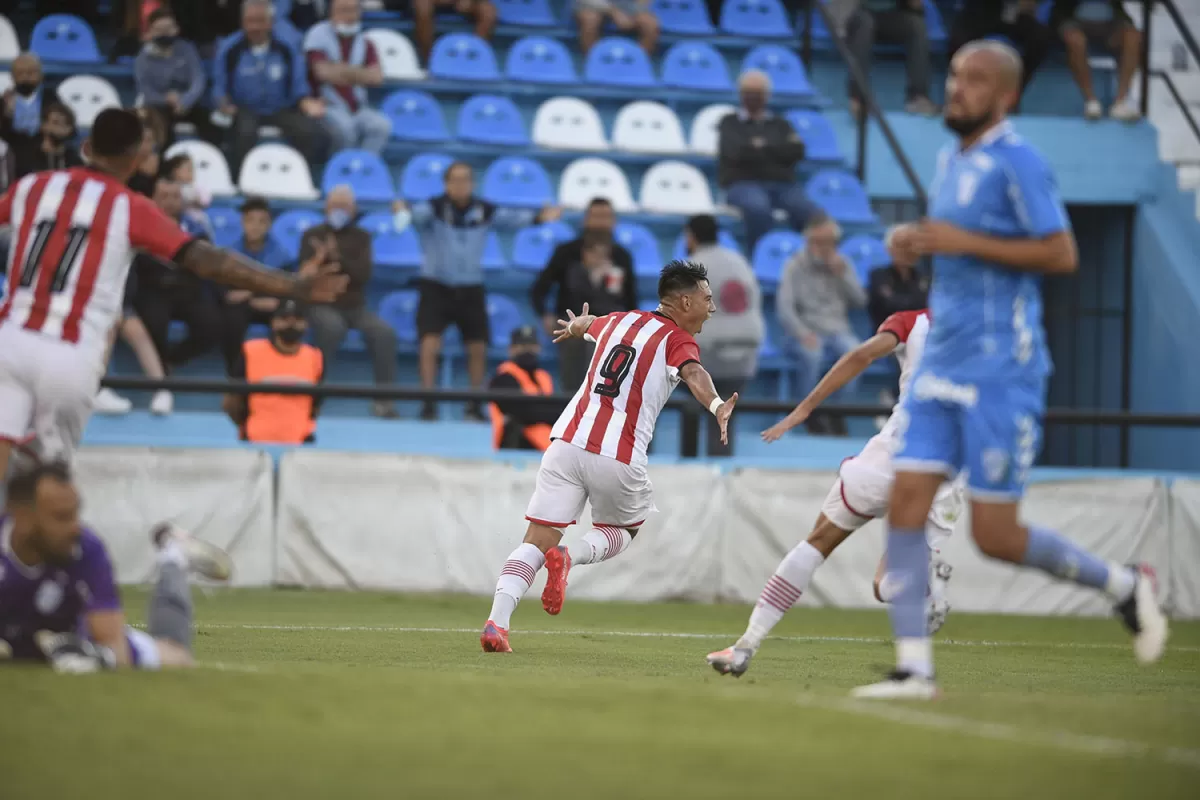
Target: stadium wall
419	523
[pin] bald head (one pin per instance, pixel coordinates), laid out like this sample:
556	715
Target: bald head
982	86
340	197
998	57
754	87
26	73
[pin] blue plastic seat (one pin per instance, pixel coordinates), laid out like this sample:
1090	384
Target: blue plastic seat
463	57
399	310
423	176
935	25
819	30
533	245
363	172
539	59
64	37
532	13
866	253
226	225
689	17
492	119
289	227
504	316
392	249
820	142
724	239
415	116
493	253
758	18
642	245
772	252
695	65
518	182
782	66
617	61
841	196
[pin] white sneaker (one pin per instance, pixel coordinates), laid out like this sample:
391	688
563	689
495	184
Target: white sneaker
162	404
1125	111
1144	617
1092	110
731	661
899	685
205	559
109	402
938	607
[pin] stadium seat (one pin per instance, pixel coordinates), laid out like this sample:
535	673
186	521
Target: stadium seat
645	126
533	245
276	170
463	57
504	317
820	142
87	96
641	244
586	178
841	196
568	123
363	172
772	252
758	18
416	116
289	227
397	56
696	66
866	253
935	25
531	13
675	187
703	138
782	66
226	225
423	176
617	61
64	37
5	81
517	181
724	239
493	253
492	119
819	31
687	17
399	310
539	59
10	45
209	165
393	249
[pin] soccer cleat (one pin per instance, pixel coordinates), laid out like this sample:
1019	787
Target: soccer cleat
205	559
899	685
558	564
494	639
938	607
731	661
1144	617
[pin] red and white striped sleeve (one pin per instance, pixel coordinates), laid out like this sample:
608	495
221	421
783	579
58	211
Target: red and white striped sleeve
592	334
901	324
6	204
152	231
681	349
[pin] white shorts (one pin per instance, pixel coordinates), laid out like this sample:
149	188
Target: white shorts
864	487
47	387
621	494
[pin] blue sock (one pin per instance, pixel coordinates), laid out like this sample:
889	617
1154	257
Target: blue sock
908	567
1054	553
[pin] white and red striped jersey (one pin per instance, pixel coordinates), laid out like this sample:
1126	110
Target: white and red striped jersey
911	328
74	233
635	368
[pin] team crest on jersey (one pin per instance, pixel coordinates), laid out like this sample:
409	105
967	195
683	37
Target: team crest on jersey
995	464
48	598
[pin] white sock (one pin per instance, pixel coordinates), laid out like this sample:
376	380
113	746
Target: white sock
889	587
515	579
599	544
781	592
1121	580
915	656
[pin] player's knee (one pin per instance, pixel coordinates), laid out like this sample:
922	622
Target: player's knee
543	537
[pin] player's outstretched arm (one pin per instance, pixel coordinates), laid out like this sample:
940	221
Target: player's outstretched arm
315	282
701	385
574	327
847	368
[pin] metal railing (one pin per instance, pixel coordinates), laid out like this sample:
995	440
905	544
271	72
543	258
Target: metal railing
1190	43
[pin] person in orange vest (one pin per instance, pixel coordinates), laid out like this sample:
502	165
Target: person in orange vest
523	426
282	358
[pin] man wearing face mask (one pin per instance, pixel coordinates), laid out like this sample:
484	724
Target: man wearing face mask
56	149
523	426
21	113
170	77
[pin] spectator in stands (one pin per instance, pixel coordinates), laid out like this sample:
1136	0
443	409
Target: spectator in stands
283	358
147	170
57	149
179	169
453	229
1102	23
627	16
900	22
757	154
240	309
732	337
481	12
523	425
170	78
349	245
8	166
342	63
260	79
592	269
21	114
1015	20
900	286
816	292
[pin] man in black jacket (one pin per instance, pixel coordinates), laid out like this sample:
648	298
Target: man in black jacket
757	153
899	286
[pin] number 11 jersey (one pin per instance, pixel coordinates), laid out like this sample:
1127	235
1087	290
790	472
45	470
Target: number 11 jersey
634	370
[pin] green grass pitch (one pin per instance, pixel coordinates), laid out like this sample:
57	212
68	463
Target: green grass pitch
347	696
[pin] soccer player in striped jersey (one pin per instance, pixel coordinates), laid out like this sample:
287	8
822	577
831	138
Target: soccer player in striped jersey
599	444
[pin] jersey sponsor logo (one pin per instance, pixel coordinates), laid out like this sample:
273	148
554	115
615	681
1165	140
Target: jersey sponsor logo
48	597
931	387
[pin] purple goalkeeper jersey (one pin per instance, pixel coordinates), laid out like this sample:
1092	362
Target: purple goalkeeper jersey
51	597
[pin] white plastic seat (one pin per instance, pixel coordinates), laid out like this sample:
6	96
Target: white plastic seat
645	126
10	45
5	81
208	162
568	123
397	57
703	138
87	96
276	170
674	187
588	178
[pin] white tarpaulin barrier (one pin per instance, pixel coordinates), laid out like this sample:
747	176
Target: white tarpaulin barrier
1184	548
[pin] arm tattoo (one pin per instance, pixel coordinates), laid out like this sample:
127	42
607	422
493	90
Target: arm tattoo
235	270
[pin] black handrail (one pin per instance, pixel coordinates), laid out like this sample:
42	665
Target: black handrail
1189	40
1183	106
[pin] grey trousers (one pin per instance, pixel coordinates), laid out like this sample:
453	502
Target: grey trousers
905	28
330	325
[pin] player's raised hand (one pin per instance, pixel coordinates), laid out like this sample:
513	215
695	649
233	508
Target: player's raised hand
573	326
935	237
724	412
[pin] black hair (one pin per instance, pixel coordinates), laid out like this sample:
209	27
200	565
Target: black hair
703	228
255	203
680	276
162	12
167	170
453	166
116	133
599	201
55	107
22	488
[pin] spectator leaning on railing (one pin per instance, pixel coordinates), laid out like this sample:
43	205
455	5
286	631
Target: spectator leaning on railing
170	78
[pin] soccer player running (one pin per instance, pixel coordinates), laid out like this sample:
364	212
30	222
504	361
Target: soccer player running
996	225
859	495
58	600
599	443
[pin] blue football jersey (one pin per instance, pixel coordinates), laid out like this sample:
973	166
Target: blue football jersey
987	317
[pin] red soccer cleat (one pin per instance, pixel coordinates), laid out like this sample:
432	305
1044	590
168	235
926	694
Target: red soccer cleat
494	639
558	564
